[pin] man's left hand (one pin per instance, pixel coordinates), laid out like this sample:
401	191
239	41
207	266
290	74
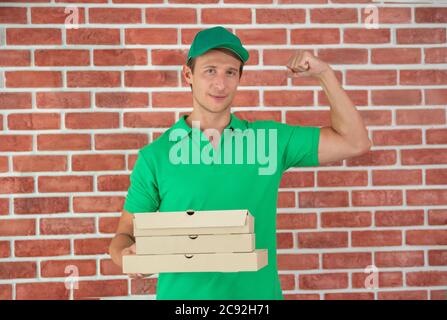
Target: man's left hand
305	64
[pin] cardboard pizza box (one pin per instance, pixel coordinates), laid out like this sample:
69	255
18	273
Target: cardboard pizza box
201	262
193	223
198	243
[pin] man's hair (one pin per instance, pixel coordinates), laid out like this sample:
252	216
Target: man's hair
192	62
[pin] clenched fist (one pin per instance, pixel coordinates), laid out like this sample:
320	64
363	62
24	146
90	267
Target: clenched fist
305	64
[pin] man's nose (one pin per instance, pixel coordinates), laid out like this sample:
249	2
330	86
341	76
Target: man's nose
219	82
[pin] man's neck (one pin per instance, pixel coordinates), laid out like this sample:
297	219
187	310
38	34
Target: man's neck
208	120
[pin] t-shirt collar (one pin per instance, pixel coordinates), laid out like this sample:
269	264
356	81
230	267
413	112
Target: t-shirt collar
235	123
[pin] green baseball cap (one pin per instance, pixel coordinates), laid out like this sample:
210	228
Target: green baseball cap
216	37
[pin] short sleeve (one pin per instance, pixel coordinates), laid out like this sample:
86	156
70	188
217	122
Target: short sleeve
142	195
300	145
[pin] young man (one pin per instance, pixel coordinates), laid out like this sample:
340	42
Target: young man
167	175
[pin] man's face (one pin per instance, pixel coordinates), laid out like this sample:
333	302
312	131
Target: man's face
216	74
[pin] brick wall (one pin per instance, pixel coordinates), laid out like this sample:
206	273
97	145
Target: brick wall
77	104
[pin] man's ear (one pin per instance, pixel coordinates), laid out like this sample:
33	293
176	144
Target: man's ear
187	74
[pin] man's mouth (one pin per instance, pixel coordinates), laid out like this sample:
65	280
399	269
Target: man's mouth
218	98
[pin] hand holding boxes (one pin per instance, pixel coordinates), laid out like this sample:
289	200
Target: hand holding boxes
195	241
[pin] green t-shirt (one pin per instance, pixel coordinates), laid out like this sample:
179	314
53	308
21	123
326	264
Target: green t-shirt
174	173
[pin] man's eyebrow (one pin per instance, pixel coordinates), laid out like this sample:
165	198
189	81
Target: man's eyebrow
216	66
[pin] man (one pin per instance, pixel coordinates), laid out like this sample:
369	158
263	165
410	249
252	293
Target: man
164	179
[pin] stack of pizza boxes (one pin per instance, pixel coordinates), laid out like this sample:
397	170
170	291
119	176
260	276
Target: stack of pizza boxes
194	241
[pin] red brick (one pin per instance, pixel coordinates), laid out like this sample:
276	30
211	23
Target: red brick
334	15
15	100
427	278
39	163
33	36
4	164
13	15
389	15
431	15
384	279
15	270
41	248
284	240
149	119
287	281
225	16
435	55
34	121
399	218
97	36
437	257
280	16
57	57
286	200
5	292
108	224
349	296
41	15
15	58
396	55
109	268
315	36
10	185
262	36
17	227
65	184
346	260
4	206
415	116
396	97
98	204
342	179
438	295
122	99
344	56
92	246
345	219
67	141
150	36
301	297
403	295
288	98
371	77
86	79
101	288
298	261
40	205
63	100
365	36
67	226
120	57
432	197
64	268
296	221
143	286
401	259
97	162
114	15
120	141
426	237
150	78
436	96
376	238
322	239
437	217
326	199
323	281
33	79
178	16
5	250
420	35
436	136
42	291
423	77
377	198
92	120
113	182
